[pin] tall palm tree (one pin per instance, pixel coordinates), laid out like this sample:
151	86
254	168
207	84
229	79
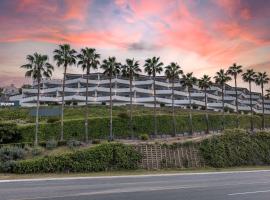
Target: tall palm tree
187	81
221	79
111	68
205	83
267	95
249	77
261	78
172	72
234	70
64	56
153	67
130	70
38	68
87	59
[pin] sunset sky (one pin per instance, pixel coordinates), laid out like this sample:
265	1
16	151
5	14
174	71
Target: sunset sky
201	35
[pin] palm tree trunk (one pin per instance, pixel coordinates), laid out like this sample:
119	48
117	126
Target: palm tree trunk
251	108
130	108
190	114
86	108
111	134
206	113
155	107
263	117
63	104
223	111
236	103
173	110
37	116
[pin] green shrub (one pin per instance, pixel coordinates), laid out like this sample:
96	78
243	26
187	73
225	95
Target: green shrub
144	137
102	157
37	151
52	119
7	166
51	144
62	143
9	133
123	115
236	148
99	127
11	153
96	141
73	143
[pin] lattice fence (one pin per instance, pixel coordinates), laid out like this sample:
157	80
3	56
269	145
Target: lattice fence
156	156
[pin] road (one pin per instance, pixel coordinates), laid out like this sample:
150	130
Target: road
196	186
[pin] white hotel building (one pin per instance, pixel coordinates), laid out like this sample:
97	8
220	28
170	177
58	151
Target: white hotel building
142	91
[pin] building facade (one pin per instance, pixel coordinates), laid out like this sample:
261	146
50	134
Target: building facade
142	93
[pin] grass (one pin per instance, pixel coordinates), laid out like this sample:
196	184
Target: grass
22	115
131	172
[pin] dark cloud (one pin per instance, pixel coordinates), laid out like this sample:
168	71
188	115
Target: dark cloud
142	46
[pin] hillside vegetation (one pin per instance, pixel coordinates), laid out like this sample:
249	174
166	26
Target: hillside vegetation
143	122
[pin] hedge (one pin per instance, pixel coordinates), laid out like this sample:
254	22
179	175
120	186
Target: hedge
102	157
99	127
236	148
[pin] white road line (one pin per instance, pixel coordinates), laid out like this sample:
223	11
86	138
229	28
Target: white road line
129	176
110	191
245	193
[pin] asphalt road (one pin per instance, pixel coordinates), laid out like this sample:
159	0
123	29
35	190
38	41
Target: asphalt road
202	186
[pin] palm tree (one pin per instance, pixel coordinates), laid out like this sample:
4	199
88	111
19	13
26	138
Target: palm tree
111	68
131	70
153	67
38	68
64	56
221	79
261	78
267	94
205	83
187	81
172	72
234	70
249	77
88	58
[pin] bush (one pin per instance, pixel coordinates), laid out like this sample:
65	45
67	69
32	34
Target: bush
51	144
236	148
62	143
36	151
52	119
9	133
123	115
102	157
7	166
73	143
144	137
11	153
96	141
99	127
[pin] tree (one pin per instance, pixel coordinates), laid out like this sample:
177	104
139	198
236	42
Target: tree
131	70
64	56
234	70
267	95
221	79
87	59
261	78
205	83
249	77
172	72
111	68
153	67
187	81
38	68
